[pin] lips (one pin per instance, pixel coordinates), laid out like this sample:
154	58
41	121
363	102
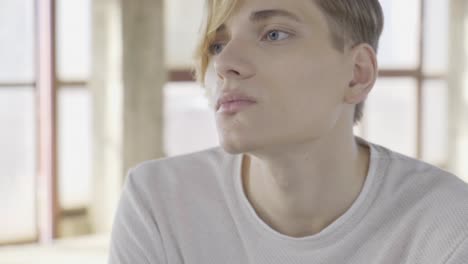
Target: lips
238	98
234	107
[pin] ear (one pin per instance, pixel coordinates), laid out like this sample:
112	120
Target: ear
364	61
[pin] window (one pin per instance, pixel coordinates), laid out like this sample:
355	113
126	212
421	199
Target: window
20	150
18	141
74	123
407	109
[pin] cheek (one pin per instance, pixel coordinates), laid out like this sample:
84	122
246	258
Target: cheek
307	95
318	84
321	79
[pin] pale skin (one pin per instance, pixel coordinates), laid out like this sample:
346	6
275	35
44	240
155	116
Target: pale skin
302	166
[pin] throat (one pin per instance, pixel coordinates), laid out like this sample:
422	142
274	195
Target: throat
290	213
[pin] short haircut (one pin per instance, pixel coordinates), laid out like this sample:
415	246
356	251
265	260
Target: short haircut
351	22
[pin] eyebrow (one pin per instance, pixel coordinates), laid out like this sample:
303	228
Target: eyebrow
270	13
262	15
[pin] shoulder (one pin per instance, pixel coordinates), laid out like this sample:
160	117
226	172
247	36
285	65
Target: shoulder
431	180
431	202
192	160
420	187
436	197
181	171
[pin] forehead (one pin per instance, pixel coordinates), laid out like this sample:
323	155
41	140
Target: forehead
255	11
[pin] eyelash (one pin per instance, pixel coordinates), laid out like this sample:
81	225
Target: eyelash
212	45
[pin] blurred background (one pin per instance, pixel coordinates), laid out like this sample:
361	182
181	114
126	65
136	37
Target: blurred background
90	88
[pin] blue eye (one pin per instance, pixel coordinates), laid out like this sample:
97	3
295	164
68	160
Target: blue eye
272	35
215	48
275	35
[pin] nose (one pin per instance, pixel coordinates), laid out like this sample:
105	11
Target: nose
233	62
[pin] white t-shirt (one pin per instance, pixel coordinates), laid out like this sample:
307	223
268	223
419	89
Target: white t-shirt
192	209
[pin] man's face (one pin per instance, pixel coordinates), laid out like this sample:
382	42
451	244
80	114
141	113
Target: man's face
288	65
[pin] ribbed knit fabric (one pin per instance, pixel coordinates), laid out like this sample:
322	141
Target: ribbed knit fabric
192	209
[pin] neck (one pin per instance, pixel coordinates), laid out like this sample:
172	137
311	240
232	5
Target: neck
302	189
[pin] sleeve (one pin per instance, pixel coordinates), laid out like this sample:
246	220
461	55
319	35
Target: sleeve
135	236
460	254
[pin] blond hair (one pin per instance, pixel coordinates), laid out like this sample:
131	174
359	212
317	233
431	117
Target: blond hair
350	22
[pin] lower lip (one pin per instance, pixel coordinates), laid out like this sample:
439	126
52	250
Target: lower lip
234	106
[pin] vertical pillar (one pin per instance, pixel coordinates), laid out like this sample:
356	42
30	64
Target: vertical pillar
106	90
458	89
127	79
144	76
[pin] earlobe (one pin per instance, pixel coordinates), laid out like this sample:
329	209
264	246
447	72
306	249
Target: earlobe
356	98
357	92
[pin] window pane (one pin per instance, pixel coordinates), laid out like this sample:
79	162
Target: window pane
399	43
74	142
17	163
73	39
189	123
17	41
436	36
435	122
391	115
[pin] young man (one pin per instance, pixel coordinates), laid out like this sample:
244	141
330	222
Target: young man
290	183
